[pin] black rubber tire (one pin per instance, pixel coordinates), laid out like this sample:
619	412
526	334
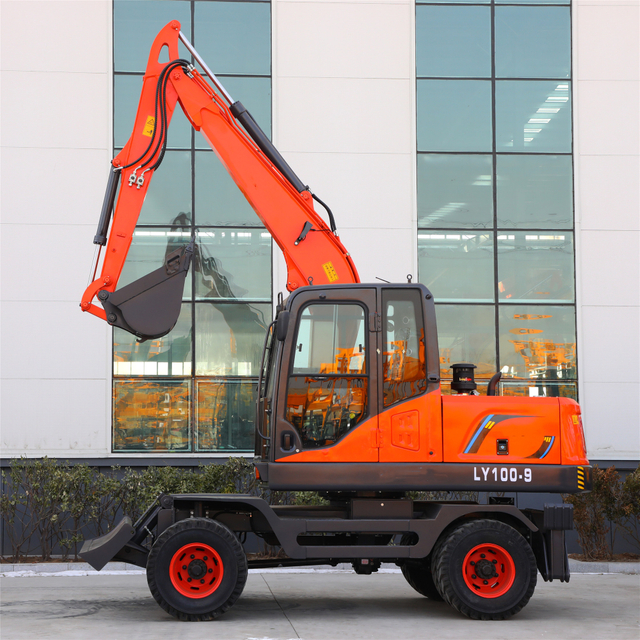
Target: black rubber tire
198	531
419	576
447	566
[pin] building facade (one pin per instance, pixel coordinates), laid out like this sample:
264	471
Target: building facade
489	148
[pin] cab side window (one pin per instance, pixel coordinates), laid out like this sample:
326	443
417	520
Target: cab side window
327	387
404	357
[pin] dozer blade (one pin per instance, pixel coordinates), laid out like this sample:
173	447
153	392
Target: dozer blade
149	307
98	551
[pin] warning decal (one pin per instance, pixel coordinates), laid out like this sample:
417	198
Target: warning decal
330	271
149	126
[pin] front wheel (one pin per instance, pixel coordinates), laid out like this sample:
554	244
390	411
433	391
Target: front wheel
485	569
197	569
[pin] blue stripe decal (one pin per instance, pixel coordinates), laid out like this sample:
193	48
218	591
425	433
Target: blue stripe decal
549	447
477	433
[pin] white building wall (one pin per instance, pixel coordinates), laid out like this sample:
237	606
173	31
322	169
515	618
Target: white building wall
56	145
344	117
607	169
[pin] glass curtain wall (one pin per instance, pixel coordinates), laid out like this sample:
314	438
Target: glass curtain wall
495	188
194	389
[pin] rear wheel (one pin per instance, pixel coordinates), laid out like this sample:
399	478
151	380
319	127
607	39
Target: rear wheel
485	569
418	572
197	569
419	576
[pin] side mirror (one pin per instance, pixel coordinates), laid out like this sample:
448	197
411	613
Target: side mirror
282	324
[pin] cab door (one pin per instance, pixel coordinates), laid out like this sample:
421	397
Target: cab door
410	414
327	410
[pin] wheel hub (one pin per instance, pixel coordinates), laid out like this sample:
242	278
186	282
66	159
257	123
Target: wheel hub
489	570
196	570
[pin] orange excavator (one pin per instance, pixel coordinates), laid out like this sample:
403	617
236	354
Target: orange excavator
349	404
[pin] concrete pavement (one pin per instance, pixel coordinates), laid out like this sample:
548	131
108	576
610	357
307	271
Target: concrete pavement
312	605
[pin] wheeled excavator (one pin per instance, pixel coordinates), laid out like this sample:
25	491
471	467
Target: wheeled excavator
349	403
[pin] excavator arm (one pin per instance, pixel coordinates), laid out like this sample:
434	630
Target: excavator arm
149	307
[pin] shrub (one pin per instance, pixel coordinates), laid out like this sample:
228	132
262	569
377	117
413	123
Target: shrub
610	506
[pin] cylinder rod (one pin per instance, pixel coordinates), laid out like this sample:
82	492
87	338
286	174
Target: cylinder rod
203	64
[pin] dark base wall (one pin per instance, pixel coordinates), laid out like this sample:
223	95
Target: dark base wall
522	500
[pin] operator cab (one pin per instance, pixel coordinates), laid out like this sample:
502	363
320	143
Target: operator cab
338	362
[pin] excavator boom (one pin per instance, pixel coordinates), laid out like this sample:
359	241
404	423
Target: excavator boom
149	307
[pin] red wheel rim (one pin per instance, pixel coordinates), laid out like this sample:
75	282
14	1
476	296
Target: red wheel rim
196	570
489	570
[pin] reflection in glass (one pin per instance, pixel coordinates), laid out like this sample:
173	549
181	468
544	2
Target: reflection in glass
535	267
234	37
166	356
453	41
327	391
535	191
533	42
457	267
255	95
455	191
225	415
323	409
125	106
231	264
462	111
169	193
149	249
229	338
533	115
136	23
539	389
219	202
151	415
538	342
467	333
404	373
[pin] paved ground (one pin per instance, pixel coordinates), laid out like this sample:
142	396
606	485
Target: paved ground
312	606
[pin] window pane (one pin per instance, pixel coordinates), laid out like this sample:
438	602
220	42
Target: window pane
331	340
219	202
136	23
467	333
225	414
233	264
533	115
533	1
457	267
453	41
255	95
539	389
168	199
149	249
535	191
404	368
535	267
229	338
150	415
533	42
538	342
454	115
323	411
454	1
166	356
234	37
125	106
455	191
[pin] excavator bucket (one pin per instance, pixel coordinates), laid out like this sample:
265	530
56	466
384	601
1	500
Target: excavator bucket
149	307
